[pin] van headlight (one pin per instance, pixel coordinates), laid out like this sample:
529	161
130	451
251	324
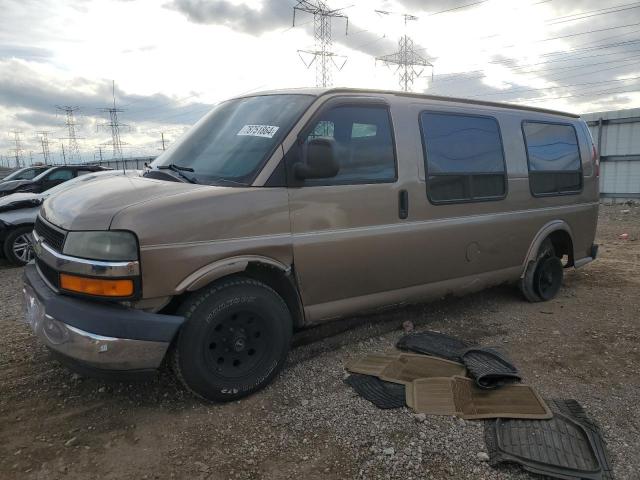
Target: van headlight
104	245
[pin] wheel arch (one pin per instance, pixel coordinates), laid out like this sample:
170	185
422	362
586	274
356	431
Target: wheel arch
560	234
269	271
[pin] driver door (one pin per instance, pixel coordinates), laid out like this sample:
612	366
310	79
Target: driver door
344	244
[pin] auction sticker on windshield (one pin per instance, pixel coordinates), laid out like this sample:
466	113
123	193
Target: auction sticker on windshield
267	131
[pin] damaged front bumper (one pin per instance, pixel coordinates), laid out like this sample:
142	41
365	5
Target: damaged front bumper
96	337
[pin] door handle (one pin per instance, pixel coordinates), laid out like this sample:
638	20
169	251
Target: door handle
403	204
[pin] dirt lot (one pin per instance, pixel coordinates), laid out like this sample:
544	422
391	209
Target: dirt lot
308	424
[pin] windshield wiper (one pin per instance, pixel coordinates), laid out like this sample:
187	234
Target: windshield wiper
179	169
227	180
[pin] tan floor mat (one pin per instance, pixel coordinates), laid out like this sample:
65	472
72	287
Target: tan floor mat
404	368
372	364
459	396
409	367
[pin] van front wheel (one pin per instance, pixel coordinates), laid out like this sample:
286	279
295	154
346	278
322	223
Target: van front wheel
235	339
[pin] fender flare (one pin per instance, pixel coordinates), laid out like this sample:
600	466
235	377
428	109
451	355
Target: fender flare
221	268
544	232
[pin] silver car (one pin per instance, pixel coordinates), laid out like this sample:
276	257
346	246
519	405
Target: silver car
18	214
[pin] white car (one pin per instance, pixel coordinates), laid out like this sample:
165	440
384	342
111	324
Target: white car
18	214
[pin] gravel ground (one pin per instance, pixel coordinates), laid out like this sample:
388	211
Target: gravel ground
308	424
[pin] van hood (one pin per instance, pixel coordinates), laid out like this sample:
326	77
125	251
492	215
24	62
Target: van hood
93	205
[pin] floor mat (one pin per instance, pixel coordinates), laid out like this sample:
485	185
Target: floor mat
382	394
567	446
460	396
489	367
434	343
372	364
409	367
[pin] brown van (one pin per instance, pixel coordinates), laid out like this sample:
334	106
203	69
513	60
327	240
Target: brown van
281	210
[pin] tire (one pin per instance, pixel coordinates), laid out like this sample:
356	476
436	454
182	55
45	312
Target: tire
15	250
548	278
526	283
234	341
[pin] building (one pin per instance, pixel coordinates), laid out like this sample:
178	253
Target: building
616	135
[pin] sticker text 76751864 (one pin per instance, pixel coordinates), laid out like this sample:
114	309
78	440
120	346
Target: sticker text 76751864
267	131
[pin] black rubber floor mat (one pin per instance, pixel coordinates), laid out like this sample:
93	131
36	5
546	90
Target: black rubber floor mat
434	343
489	367
568	446
382	394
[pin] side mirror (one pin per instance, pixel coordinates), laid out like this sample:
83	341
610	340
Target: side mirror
320	159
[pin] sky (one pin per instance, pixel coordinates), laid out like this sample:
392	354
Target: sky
172	60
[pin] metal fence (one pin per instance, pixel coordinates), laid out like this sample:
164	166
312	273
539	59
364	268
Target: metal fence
617	138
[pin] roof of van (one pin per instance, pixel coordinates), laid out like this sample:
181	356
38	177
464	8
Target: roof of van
325	91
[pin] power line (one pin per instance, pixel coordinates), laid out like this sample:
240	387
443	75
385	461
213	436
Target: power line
322	55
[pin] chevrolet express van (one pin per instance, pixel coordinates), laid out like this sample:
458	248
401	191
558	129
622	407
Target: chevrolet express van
285	209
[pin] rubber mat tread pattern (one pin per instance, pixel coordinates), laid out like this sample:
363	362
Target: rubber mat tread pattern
434	343
384	395
489	367
567	446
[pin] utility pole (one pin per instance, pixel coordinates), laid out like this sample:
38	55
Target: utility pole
163	145
73	150
44	141
115	126
322	55
410	64
17	150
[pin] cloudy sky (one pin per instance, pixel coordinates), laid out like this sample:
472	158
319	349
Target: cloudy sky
172	59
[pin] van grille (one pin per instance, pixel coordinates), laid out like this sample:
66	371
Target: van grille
48	273
51	236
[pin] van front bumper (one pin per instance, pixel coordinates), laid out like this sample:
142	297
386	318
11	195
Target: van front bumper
96	336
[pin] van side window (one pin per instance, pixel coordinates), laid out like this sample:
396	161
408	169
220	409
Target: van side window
554	158
464	159
364	144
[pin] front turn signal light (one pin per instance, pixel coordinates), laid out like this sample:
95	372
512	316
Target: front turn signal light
96	286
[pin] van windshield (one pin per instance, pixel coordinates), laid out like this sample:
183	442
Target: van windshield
230	144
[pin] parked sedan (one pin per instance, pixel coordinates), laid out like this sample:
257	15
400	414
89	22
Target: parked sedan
49	178
27	173
18	213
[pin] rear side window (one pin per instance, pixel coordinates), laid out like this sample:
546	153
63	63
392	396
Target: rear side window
554	158
61	175
364	144
464	159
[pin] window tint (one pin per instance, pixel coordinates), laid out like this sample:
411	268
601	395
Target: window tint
364	144
464	159
554	158
62	174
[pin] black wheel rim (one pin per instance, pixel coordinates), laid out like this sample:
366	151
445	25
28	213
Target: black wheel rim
236	343
548	277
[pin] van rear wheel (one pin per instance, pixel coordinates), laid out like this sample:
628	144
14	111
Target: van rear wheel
234	341
542	278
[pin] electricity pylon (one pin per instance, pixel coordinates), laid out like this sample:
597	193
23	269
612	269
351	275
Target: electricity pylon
322	55
114	125
44	141
410	64
73	150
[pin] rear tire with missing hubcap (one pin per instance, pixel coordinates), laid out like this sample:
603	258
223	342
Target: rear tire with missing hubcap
235	339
